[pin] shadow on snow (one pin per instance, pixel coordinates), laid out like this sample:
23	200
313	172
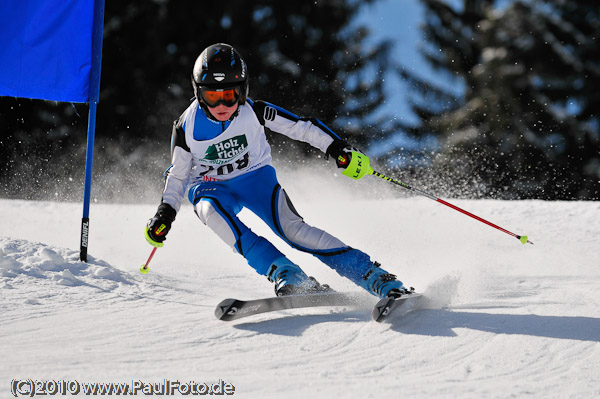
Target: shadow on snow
442	322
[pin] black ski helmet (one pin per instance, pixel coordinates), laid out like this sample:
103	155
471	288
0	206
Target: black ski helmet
220	66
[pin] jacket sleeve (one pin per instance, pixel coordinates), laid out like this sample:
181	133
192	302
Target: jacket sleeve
177	176
309	130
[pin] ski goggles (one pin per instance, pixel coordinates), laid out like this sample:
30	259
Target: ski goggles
213	97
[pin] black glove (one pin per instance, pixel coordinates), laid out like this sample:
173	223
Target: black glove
158	227
354	162
341	153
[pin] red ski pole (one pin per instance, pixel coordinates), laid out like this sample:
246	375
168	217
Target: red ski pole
144	269
523	239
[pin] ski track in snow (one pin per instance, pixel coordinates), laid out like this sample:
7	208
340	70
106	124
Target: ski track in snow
503	320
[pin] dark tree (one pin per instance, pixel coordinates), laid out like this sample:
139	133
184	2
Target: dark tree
527	124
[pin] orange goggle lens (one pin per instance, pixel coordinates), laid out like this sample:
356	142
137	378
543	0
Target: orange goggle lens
227	97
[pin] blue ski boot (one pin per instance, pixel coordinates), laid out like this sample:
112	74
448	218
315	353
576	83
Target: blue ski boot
289	279
381	283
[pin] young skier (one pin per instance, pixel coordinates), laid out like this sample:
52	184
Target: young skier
220	153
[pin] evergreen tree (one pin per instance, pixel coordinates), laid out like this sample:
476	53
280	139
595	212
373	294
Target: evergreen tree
527	125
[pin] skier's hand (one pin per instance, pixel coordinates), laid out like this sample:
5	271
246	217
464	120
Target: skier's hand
158	227
354	162
341	152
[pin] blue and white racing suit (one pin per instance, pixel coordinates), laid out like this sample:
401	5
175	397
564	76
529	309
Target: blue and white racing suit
227	166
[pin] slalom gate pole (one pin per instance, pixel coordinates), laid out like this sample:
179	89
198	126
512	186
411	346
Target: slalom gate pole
144	269
93	98
523	239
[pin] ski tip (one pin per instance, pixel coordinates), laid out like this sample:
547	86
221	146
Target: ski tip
386	305
382	309
224	309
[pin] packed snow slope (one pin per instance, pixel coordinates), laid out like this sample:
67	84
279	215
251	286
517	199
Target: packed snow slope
504	319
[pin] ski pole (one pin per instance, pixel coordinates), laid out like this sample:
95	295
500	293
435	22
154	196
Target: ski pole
144	269
523	239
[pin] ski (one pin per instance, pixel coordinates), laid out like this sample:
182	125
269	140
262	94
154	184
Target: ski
233	309
389	305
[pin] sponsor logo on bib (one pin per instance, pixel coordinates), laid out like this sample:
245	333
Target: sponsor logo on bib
226	150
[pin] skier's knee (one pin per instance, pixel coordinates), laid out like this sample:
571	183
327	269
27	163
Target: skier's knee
204	210
209	215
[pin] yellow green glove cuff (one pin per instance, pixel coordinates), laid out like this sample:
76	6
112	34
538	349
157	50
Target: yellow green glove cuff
359	166
150	240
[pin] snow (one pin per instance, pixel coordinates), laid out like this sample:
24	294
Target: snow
505	319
